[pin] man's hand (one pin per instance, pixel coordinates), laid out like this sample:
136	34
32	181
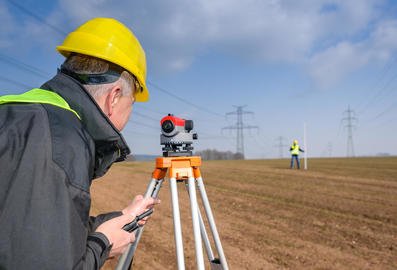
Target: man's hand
140	205
117	237
113	228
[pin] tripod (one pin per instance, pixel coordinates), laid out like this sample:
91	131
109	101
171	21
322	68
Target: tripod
183	169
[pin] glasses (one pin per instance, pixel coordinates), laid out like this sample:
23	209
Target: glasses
137	86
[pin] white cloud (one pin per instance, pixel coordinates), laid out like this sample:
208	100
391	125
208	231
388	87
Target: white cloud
384	39
331	65
175	32
330	37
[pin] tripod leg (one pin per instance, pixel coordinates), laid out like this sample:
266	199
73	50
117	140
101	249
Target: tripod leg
206	240
177	224
196	223
204	234
211	222
125	260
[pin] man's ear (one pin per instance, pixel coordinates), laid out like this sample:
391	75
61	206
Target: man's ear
112	99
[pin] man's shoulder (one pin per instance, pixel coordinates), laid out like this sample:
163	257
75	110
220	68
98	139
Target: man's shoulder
21	118
73	148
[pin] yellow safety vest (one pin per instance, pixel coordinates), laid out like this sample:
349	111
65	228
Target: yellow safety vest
37	95
295	149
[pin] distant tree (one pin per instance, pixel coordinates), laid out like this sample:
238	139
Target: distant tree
213	154
383	154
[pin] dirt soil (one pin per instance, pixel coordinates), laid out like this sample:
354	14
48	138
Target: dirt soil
339	214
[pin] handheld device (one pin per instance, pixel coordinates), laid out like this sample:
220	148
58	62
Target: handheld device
133	225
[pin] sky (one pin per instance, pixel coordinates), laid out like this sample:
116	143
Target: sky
291	64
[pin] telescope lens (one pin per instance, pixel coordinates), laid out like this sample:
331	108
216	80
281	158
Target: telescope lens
167	126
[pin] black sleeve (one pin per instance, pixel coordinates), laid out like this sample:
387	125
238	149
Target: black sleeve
97	252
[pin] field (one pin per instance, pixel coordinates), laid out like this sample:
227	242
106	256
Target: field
339	214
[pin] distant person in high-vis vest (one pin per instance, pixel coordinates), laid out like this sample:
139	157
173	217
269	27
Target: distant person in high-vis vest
295	149
56	139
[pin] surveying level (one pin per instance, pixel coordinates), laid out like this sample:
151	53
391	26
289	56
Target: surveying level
182	167
177	136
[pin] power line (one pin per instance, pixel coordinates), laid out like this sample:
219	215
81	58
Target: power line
31	14
184	100
387	67
379	94
239	127
145	116
388	109
143	124
206	136
151	110
19	84
21	65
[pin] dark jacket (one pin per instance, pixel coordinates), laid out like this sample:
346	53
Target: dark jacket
48	158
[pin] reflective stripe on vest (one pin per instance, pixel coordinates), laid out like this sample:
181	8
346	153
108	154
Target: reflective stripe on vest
295	149
38	95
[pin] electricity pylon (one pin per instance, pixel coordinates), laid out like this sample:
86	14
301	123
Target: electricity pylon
350	122
281	146
240	126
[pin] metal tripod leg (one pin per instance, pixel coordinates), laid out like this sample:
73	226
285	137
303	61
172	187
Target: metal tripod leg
177	224
196	223
125	260
211	222
204	234
216	264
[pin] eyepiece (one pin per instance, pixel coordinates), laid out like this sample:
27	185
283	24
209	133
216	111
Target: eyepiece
188	125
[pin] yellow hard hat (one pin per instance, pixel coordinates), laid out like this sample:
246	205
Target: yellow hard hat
295	141
110	40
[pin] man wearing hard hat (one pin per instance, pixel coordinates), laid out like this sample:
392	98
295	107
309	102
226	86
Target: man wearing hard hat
295	149
54	140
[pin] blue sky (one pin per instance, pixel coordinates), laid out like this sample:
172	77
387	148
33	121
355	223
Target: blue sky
289	62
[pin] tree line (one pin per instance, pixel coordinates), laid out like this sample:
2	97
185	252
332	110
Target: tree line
212	154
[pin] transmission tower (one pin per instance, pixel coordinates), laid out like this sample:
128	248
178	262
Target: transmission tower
281	146
350	122
329	148
239	126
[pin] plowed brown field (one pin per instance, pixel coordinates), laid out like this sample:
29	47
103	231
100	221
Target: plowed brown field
339	214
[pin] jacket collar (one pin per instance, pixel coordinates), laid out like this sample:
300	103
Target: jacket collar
110	145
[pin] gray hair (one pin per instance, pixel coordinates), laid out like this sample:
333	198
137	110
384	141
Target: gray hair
84	64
